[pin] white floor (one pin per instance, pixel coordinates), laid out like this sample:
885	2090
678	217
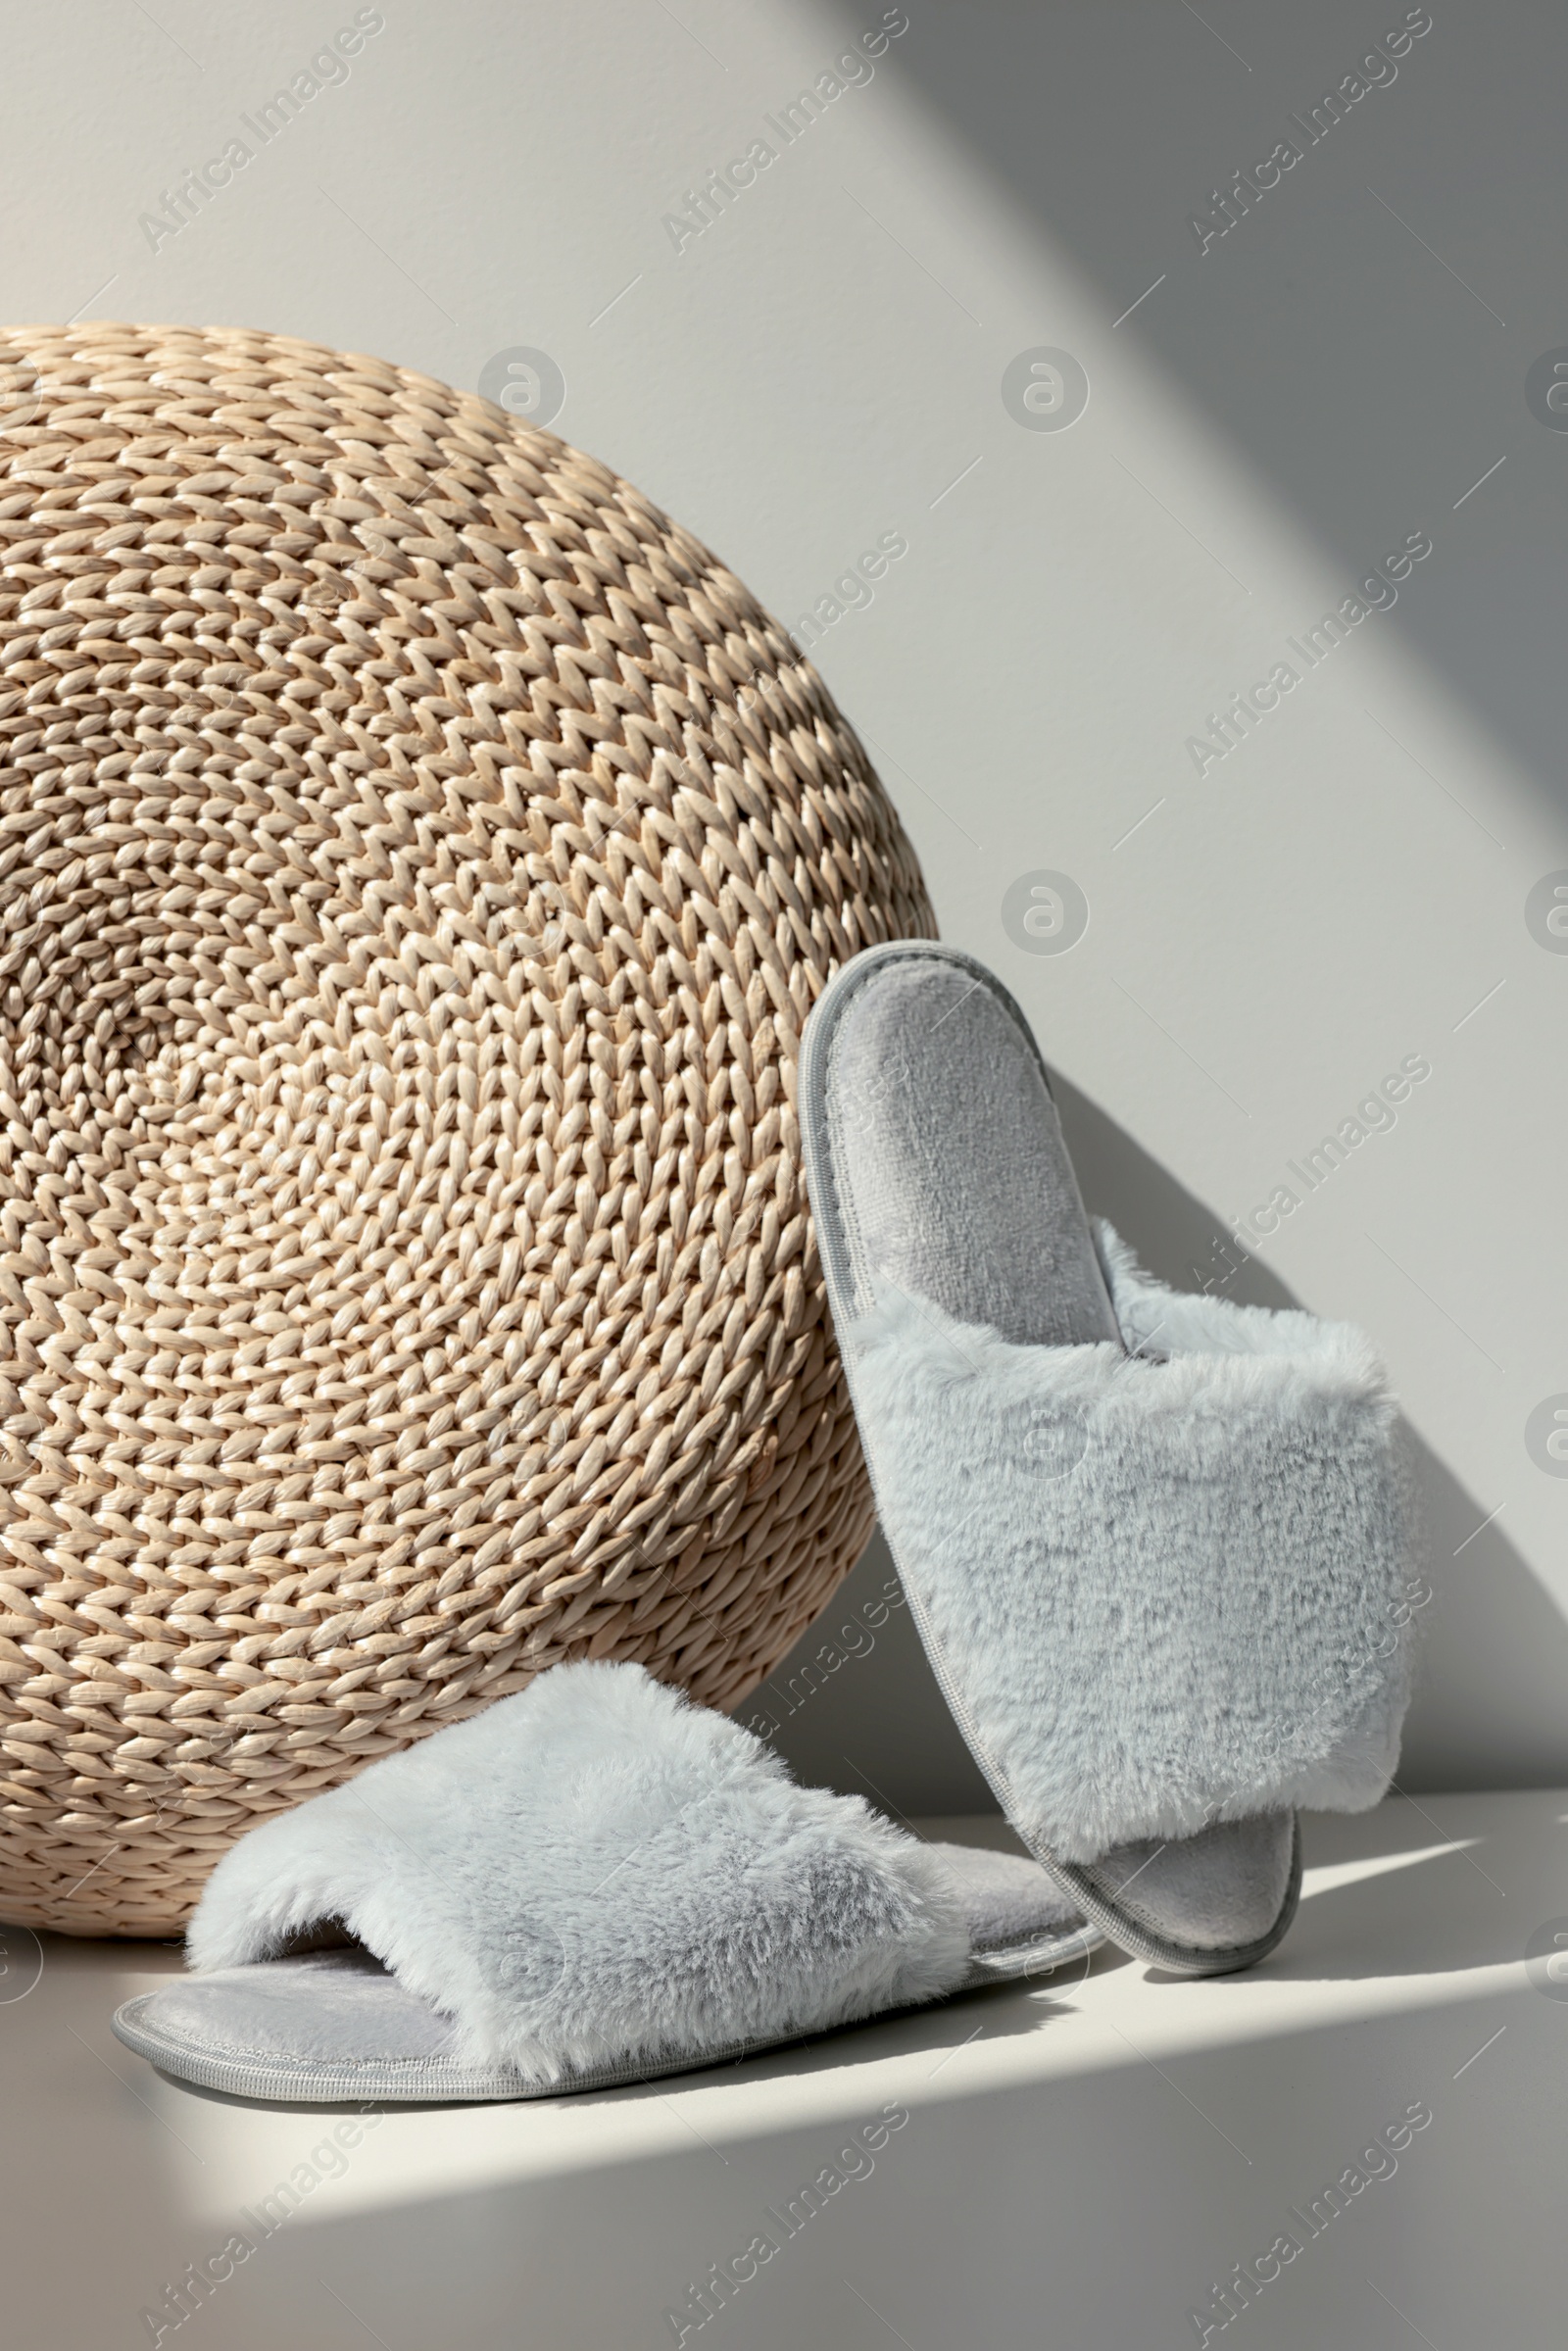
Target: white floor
1082	2164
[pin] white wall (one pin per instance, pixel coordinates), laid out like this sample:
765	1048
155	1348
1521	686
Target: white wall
1347	888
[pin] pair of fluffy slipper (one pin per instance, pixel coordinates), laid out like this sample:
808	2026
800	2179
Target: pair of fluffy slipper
1153	1545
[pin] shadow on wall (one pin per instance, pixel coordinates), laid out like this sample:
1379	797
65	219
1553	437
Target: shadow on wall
1318	326
855	1705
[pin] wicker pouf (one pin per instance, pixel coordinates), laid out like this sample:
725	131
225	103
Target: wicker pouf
419	860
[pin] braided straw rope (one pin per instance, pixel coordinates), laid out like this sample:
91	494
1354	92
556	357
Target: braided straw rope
419	860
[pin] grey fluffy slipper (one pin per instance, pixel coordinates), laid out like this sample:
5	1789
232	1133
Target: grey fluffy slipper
1155	1544
592	1883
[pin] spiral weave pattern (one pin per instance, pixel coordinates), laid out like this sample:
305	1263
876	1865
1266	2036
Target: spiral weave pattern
419	860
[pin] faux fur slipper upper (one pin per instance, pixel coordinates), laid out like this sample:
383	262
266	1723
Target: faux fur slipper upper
592	1881
1155	1544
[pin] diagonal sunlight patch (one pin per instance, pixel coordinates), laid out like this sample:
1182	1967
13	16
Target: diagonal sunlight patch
1335	1874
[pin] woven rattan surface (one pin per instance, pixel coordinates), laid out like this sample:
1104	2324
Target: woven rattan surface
417	860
